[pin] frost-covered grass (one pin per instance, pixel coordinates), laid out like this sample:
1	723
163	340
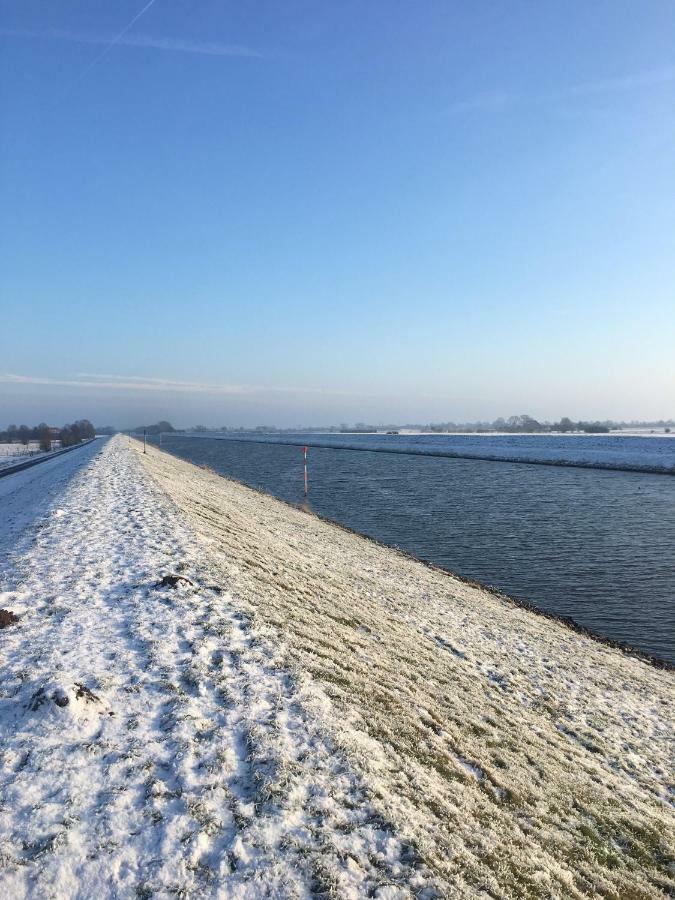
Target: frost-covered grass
154	743
515	757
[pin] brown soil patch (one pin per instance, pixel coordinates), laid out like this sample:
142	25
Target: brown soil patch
7	618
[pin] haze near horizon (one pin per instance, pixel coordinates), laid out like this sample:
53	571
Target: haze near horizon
236	214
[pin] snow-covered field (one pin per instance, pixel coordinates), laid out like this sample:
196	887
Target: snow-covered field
16	449
12	453
297	711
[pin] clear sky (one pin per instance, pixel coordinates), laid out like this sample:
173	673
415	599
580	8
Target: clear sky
308	212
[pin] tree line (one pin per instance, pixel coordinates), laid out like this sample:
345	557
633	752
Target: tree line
68	435
158	428
523	424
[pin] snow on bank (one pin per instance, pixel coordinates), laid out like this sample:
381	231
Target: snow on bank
152	741
519	758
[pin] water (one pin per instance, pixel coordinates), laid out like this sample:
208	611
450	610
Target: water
591	544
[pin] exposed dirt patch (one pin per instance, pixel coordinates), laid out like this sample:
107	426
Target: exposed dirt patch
82	690
59	696
7	618
172	580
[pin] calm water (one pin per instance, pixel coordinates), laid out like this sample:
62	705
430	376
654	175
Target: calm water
594	545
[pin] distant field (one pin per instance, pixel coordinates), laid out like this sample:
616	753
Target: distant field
11	453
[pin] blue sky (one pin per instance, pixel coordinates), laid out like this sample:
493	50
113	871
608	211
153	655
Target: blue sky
308	212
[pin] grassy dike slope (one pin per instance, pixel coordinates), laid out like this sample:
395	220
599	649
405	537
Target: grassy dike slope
520	758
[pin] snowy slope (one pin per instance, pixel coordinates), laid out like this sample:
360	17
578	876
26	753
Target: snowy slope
152	741
519	757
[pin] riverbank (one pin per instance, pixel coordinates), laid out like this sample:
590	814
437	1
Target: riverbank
519	757
206	692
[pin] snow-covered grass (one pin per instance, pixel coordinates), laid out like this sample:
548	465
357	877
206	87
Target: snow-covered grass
517	757
153	740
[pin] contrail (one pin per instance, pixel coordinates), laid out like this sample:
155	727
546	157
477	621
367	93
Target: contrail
115	40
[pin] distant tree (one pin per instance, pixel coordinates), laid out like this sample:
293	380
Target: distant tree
158	428
516	423
565	424
44	437
67	436
529	424
85	429
24	434
76	433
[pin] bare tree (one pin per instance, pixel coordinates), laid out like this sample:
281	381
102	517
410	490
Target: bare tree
45	437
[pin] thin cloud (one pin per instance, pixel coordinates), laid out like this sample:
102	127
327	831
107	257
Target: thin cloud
650	78
141	383
141	41
499	101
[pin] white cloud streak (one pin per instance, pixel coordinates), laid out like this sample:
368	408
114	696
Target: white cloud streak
650	78
499	100
143	384
140	41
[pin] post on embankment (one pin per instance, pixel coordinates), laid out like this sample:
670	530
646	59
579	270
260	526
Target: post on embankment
304	451
144	437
